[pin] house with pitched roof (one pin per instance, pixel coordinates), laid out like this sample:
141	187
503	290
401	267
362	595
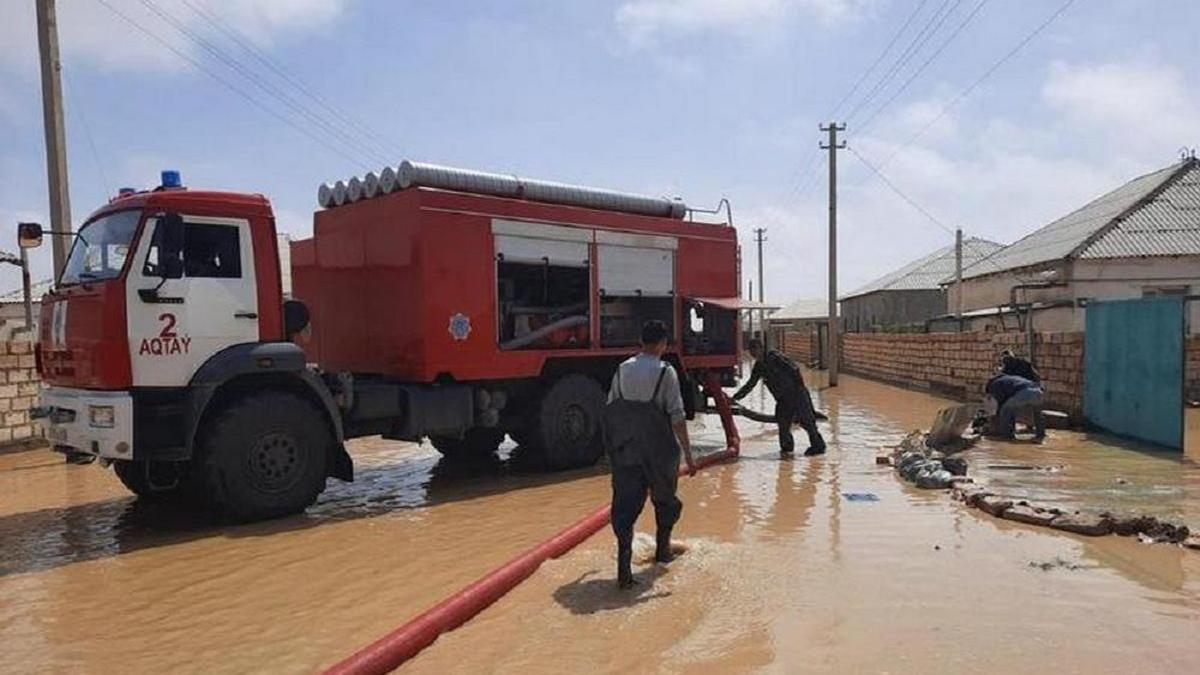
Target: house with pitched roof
1141	239
910	295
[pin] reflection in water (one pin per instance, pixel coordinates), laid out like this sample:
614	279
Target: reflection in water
780	573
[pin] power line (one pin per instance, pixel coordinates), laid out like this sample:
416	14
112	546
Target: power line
980	80
274	66
87	131
232	87
900	193
281	96
878	59
920	69
915	45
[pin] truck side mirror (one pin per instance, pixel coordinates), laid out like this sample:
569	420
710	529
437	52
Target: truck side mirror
29	235
169	236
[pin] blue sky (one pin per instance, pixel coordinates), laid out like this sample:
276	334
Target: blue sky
698	98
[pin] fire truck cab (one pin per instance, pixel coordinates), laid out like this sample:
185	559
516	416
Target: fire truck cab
430	303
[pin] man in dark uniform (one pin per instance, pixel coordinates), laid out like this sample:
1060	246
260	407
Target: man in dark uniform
792	400
1011	364
644	429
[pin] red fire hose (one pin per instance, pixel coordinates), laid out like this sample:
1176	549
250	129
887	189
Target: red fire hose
390	651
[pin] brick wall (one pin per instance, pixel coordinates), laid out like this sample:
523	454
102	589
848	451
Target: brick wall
959	364
18	390
800	344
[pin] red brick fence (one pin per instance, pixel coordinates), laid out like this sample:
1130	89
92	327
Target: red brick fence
959	364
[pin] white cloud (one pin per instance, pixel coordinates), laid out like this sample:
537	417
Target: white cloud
1127	102
92	33
643	23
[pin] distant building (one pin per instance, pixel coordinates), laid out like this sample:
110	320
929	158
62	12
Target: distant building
1141	239
911	295
801	330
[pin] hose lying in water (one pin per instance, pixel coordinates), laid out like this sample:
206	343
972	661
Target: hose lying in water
752	414
390	651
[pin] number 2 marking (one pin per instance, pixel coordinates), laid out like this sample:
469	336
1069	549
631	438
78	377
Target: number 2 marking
168	330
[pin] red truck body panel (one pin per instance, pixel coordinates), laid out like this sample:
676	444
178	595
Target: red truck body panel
383	278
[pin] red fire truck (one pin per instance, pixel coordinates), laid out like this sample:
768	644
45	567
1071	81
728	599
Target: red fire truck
430	303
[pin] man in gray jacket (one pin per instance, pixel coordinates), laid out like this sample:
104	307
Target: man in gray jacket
644	430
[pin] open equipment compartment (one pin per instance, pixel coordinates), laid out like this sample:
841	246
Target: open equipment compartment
543	283
636	277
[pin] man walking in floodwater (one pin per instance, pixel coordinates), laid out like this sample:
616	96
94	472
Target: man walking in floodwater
793	403
644	429
1015	396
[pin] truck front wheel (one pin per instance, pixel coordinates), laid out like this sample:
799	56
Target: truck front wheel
157	481
565	429
263	456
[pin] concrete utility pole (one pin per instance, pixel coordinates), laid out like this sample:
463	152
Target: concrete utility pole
958	303
762	314
833	146
56	141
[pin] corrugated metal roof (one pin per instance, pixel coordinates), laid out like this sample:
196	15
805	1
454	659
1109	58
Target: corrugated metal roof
1167	225
803	309
1063	236
929	272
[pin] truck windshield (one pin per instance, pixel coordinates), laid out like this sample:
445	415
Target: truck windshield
100	248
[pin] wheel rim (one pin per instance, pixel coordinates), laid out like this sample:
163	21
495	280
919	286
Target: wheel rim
275	462
575	424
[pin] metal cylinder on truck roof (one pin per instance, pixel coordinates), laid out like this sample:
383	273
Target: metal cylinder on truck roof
354	189
420	174
370	185
325	195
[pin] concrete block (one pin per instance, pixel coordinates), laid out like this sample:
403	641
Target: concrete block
20	348
8	391
993	504
1031	515
1080	523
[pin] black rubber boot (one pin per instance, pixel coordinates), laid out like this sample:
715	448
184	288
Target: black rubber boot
662	549
625	565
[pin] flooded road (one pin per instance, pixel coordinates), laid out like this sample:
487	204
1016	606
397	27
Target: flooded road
783	573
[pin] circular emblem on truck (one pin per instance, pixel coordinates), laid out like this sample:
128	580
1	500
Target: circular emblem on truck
460	326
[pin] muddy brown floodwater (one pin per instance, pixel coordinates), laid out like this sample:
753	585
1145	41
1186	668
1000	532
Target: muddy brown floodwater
782	574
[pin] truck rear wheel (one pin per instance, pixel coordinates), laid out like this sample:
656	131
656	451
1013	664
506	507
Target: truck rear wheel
476	442
565	429
264	456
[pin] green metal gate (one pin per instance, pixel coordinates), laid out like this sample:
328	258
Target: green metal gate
1133	369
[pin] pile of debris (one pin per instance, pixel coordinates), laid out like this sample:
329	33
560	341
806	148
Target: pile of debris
925	466
927	461
1146	528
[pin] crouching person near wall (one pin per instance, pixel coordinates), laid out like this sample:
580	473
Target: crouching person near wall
1015	397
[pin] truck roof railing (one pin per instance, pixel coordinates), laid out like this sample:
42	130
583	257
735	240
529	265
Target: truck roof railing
420	174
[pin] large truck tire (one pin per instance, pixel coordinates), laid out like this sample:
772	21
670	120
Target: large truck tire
565	428
156	482
264	455
475	443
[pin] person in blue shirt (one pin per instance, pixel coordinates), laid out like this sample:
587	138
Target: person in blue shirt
1016	396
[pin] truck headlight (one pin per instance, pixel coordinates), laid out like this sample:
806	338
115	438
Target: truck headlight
101	416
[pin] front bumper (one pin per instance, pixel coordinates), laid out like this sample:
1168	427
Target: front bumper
64	416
